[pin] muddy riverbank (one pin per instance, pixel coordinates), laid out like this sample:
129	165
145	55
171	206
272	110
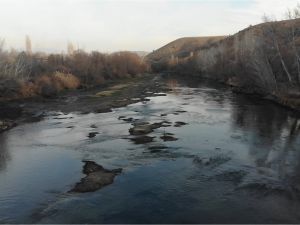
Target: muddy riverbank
96	100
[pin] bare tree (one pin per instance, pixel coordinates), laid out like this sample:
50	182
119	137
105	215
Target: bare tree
70	48
271	32
293	15
2	41
28	45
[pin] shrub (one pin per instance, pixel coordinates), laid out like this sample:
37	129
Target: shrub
28	89
67	81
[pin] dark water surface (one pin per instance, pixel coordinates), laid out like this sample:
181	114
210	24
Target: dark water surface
236	161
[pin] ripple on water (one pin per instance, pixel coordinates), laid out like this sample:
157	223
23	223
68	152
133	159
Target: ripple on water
236	158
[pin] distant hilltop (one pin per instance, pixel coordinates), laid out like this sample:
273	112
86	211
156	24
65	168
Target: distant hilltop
182	47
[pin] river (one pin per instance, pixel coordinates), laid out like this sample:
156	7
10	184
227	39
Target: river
237	160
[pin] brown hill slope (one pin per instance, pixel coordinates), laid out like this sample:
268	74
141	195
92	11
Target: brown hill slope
180	48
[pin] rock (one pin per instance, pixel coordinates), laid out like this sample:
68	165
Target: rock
163	114
120	104
142	139
156	125
121	117
90	167
103	110
93	126
92	134
167	137
157	148
138	123
62	118
96	177
6	125
179	124
141	129
180	111
128	120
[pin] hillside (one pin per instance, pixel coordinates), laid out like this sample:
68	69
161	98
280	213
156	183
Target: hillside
180	48
262	59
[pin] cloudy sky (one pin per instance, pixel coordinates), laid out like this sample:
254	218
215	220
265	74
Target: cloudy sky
126	25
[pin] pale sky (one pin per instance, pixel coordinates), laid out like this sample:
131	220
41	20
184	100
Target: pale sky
140	25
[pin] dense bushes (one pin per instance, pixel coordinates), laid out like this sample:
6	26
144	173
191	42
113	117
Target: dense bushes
28	74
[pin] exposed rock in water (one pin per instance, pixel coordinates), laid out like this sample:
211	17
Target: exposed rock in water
96	177
103	110
130	119
157	148
62	118
141	129
168	137
156	125
6	125
139	122
122	103
179	124
93	126
92	134
142	139
180	111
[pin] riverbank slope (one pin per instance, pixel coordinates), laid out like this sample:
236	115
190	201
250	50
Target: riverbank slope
261	59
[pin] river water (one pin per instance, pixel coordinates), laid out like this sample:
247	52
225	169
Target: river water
236	161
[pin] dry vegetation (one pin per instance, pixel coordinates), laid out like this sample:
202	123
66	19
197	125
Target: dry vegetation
27	74
262	59
177	51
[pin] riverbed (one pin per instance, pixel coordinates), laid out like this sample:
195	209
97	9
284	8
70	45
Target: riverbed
234	159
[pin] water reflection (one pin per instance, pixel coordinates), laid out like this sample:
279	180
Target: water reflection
273	138
4	151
